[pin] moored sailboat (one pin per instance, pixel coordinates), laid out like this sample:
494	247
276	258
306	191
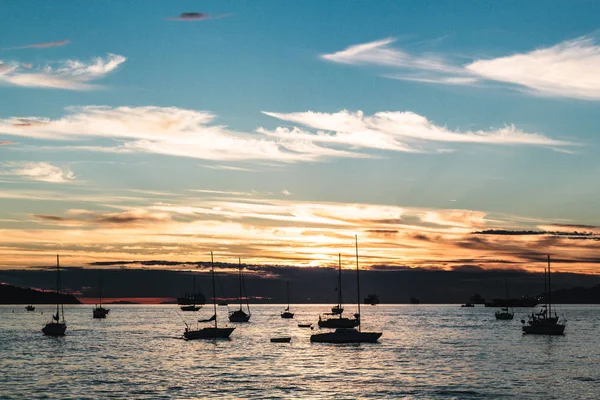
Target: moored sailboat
209	332
335	319
99	311
504	313
240	315
287	314
57	326
349	335
193	306
543	323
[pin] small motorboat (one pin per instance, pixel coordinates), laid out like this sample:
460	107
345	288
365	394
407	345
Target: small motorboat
301	325
286	339
30	308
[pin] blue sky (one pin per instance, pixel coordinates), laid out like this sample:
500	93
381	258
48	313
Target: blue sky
489	110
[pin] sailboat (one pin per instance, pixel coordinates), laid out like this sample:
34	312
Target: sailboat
209	332
99	311
543	323
504	313
335	319
193	306
287	313
57	326
349	335
240	315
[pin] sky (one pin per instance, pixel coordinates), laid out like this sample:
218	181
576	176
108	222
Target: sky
442	134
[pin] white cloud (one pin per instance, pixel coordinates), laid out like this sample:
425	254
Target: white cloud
69	75
170	131
41	171
392	130
286	192
567	69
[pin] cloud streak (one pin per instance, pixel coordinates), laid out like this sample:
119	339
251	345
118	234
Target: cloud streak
567	69
41	171
67	75
197	16
45	45
189	133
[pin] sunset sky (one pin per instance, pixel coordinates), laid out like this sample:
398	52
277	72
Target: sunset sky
443	134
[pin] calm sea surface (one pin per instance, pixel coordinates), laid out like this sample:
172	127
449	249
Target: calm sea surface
425	352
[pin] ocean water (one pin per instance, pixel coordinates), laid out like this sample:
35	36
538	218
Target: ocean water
426	351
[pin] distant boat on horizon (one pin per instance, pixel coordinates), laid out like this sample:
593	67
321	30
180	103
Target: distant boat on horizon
349	335
240	315
543	323
287	314
30	308
57	325
209	332
372	299
414	300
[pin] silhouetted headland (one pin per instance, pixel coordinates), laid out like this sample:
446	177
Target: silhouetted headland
15	295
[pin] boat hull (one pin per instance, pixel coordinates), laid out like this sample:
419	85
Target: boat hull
239	316
208	333
287	315
556	329
30	308
100	312
504	316
346	336
54	329
189	308
281	340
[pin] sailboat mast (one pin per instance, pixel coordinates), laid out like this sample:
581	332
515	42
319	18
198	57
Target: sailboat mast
57	288
240	276
288	294
546	287
339	280
357	281
194	289
212	268
100	288
549	290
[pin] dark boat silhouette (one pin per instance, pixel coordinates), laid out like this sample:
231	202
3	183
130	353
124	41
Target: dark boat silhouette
287	314
542	322
286	339
99	311
209	332
349	335
57	326
372	299
30	308
191	307
504	313
335	318
414	300
240	315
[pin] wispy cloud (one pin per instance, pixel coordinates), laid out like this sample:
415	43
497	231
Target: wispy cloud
396	131
40	171
567	69
5	143
68	75
45	45
170	131
190	133
197	16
